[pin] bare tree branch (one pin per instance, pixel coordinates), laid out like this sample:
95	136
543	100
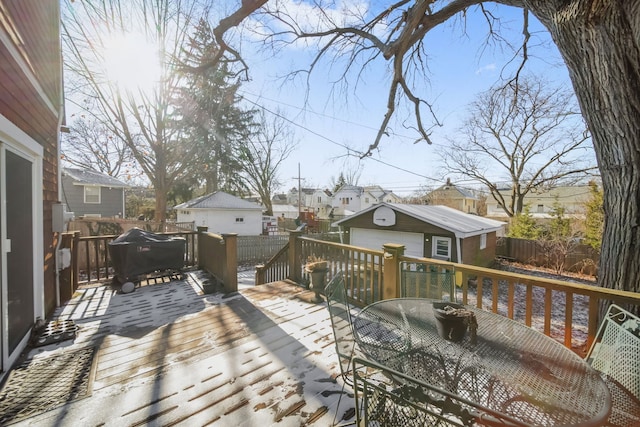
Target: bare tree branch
525	130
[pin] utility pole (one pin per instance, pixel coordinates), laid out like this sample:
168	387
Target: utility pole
299	192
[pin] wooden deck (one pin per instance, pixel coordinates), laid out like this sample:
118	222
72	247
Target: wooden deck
170	355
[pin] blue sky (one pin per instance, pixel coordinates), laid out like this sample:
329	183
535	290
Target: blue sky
460	67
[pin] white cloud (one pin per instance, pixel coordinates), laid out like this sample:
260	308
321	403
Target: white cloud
486	68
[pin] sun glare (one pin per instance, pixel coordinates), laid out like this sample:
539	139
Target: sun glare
132	63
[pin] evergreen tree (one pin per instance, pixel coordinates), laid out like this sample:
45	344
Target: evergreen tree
339	183
208	111
523	226
560	226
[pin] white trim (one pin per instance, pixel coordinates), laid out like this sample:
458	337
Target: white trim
15	140
434	247
84	194
27	71
11	133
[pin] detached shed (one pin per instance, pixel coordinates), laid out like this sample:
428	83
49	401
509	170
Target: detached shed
222	213
429	231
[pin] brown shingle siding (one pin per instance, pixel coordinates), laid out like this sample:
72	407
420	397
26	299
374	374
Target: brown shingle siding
40	37
32	28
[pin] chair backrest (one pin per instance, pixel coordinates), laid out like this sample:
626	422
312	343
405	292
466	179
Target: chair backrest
340	315
385	397
616	349
422	280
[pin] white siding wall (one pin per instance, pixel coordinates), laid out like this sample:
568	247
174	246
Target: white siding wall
353	197
224	221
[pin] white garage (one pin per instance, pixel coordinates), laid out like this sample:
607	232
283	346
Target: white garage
375	239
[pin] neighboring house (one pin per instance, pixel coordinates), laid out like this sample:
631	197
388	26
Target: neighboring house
304	195
222	213
279	199
89	193
429	231
321	203
352	198
347	200
541	203
31	114
376	194
455	197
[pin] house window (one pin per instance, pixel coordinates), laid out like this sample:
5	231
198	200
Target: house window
91	194
483	240
345	200
319	199
366	200
540	208
441	247
239	219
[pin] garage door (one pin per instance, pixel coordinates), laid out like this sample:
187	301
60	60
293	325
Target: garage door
374	239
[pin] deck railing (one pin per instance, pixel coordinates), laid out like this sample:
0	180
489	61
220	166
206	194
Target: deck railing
90	260
569	312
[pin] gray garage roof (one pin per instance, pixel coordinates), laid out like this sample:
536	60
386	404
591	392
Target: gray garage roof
89	177
219	200
460	223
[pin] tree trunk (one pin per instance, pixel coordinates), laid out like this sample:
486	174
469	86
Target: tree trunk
162	188
601	49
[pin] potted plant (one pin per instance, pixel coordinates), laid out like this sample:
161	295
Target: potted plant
453	320
317	269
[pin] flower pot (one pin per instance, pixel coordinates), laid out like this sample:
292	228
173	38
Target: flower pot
317	279
451	325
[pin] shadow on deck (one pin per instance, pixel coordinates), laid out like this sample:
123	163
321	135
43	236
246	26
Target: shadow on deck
167	355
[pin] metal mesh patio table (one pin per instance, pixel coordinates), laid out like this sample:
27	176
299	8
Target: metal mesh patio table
508	367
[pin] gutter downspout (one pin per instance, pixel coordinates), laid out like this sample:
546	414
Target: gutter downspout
61	110
459	249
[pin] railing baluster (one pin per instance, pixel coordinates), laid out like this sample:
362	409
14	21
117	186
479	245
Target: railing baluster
568	319
529	305
479	288
511	298
547	311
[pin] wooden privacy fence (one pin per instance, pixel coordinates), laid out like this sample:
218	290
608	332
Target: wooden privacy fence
259	249
559	256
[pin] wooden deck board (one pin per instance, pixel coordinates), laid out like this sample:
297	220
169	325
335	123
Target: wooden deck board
168	355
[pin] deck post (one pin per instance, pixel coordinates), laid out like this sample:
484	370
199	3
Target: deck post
230	278
391	282
260	275
201	247
295	256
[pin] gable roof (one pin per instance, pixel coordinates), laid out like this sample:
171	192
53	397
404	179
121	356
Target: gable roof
89	177
219	200
461	224
451	189
348	187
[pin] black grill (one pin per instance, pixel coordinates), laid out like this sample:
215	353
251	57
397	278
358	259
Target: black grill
138	252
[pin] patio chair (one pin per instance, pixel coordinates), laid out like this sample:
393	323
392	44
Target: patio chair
616	354
385	397
340	314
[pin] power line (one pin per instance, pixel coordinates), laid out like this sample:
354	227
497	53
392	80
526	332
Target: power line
350	151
